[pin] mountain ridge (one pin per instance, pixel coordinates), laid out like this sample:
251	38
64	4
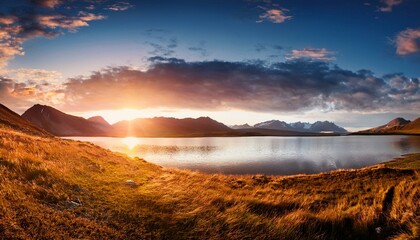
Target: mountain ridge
170	127
316	127
62	124
14	121
395	126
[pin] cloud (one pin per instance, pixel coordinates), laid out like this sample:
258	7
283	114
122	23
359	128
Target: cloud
289	86
120	6
26	23
389	4
311	53
19	95
408	42
71	23
260	47
274	15
165	47
264	47
7	20
47	3
24	75
200	49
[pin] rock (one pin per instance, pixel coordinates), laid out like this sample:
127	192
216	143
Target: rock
131	183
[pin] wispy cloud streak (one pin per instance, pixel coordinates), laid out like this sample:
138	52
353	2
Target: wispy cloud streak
388	5
311	53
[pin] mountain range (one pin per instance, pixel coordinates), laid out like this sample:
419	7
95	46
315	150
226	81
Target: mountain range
46	120
61	124
316	127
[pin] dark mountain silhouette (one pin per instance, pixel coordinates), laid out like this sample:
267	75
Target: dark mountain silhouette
62	124
317	127
171	127
10	119
395	126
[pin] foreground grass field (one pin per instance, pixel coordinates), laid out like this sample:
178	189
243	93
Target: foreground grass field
52	188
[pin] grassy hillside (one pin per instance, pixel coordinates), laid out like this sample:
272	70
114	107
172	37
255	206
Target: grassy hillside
52	188
12	120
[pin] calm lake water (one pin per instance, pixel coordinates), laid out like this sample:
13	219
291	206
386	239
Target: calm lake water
265	155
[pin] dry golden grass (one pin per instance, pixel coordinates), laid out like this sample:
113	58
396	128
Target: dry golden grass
52	188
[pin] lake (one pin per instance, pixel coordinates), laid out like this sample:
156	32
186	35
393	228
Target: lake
263	155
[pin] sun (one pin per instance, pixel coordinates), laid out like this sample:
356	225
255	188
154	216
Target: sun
130	142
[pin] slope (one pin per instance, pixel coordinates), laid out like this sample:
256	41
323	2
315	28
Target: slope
62	124
395	126
12	120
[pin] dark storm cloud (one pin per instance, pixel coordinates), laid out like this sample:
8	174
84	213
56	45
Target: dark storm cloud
296	85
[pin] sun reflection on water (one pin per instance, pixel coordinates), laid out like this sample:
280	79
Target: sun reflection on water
130	142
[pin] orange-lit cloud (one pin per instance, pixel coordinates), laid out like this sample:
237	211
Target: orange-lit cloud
389	4
71	23
47	3
311	53
39	76
19	26
20	95
7	20
408	42
274	15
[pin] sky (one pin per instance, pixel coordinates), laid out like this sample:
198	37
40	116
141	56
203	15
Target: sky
356	63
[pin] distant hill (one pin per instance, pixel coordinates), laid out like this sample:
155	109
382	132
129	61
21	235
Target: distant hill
326	126
395	126
171	127
62	124
317	127
242	126
101	122
10	119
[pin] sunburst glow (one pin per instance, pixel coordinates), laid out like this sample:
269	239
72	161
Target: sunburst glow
130	142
